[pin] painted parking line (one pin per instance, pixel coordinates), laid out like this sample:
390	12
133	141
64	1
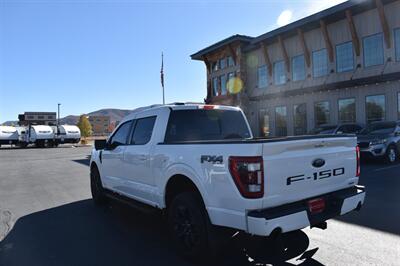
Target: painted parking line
386	168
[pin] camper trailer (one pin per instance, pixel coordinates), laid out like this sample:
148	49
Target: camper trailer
40	135
8	135
67	134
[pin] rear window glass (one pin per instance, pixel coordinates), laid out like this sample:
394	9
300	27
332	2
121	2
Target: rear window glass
192	125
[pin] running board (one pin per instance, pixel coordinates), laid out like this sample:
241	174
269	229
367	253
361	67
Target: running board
131	202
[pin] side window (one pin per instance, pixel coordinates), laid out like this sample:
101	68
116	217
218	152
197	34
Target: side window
120	137
143	130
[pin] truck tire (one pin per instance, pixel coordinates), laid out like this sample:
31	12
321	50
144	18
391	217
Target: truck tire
391	155
189	226
96	187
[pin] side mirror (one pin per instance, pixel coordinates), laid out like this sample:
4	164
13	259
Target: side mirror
100	144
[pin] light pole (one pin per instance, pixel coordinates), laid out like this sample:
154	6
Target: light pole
58	120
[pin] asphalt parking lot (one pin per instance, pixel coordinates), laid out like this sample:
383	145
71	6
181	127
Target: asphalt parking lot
47	218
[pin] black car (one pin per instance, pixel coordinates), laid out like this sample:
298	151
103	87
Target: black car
337	129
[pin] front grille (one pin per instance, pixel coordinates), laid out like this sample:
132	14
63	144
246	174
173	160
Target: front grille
363	144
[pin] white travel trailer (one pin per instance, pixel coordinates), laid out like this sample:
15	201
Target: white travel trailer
8	135
67	134
40	135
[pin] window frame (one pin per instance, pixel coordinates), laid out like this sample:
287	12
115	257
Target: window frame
258	76
355	113
337	61
294	118
313	65
365	107
132	121
284	72
329	115
286	120
397	49
398	105
304	67
134	128
383	49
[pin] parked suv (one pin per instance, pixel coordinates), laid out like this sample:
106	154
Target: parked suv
337	129
381	140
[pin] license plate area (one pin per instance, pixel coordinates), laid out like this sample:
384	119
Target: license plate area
316	205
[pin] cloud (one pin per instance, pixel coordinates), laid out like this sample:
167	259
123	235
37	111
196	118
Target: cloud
284	18
314	6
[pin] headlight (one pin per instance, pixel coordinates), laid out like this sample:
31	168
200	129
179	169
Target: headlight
379	141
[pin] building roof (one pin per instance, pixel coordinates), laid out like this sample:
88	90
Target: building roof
311	22
215	46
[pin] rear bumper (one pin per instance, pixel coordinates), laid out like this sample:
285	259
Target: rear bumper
294	216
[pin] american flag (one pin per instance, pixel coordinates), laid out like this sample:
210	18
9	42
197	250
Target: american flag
162	70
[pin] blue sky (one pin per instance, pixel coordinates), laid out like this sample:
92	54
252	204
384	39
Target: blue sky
89	55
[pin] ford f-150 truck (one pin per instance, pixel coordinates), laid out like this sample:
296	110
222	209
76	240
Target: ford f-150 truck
201	165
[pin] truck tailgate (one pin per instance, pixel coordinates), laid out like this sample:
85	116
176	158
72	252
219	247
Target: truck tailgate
302	169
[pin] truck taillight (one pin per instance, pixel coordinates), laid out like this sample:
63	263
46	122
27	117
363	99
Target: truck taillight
358	170
248	174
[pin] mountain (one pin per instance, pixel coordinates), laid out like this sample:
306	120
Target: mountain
10	123
114	114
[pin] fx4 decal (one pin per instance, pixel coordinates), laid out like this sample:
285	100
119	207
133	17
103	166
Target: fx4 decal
212	159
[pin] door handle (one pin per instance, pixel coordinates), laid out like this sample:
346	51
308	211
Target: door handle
142	157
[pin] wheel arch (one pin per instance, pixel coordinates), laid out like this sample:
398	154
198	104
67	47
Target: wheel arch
179	183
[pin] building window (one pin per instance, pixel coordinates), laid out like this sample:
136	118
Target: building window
215	66
375	108
298	68
347	110
397	43
231	63
262	76
30	117
215	86
279	73
300	119
320	63
281	121
223	84
50	117
373	50
231	75
322	113
398	105
264	123
40	117
344	57
222	63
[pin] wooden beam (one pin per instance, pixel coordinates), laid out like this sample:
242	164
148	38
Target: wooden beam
306	52
353	31
384	23
266	58
232	52
284	53
327	40
208	66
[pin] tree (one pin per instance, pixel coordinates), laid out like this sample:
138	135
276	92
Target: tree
85	126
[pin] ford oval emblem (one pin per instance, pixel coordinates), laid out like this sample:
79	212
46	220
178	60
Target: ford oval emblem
318	163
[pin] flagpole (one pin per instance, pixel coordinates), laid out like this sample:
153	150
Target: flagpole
162	77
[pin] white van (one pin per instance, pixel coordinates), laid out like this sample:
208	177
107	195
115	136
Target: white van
8	135
68	134
40	135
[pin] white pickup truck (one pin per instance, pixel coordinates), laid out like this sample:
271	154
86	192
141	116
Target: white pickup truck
201	165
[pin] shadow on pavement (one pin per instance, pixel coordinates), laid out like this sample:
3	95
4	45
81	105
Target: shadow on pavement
382	202
81	234
83	161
